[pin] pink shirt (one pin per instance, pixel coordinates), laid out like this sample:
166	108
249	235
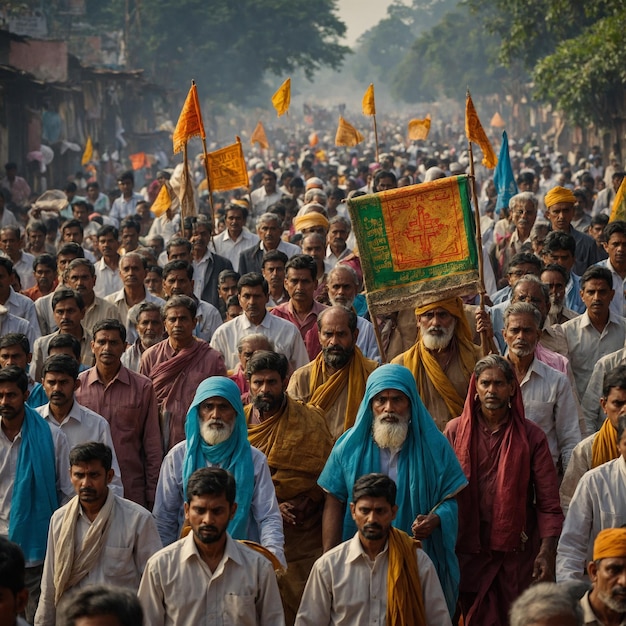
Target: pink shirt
286	312
129	405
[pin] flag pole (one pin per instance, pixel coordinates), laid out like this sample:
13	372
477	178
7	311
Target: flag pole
484	340
376	136
208	181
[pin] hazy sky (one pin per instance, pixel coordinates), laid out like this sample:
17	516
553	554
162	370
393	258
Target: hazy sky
359	15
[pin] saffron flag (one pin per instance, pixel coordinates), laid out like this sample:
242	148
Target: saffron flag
497	121
227	168
618	212
282	98
417	244
138	160
88	153
369	104
419	129
347	135
474	132
313	139
503	177
163	201
190	121
259	136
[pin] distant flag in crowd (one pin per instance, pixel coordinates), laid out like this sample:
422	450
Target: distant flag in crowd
259	136
618	212
497	121
88	153
369	104
419	129
227	168
190	121
139	160
282	98
313	139
475	133
503	177
347	135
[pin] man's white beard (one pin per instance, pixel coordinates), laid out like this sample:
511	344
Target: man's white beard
438	341
555	310
390	434
213	434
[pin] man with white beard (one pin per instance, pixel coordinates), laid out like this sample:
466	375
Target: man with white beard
394	435
217	436
556	277
443	357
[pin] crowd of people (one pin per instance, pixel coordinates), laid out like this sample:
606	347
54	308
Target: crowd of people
202	410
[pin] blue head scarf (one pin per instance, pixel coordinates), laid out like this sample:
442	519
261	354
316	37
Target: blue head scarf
233	455
429	474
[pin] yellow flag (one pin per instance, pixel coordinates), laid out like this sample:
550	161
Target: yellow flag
162	202
419	129
347	135
474	132
88	153
282	98
190	121
259	136
227	168
618	212
369	105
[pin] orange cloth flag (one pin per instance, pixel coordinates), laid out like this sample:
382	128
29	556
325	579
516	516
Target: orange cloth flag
88	153
313	139
138	160
259	136
227	168
190	121
419	129
618	212
162	202
347	135
474	132
282	98
369	104
497	121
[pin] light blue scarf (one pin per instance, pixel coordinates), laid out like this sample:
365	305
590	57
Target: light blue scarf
429	474
34	490
233	455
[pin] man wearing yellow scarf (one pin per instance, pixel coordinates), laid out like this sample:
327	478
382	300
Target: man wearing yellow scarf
335	381
380	576
600	447
442	359
296	442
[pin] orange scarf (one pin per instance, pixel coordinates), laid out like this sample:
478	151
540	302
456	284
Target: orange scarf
405	604
326	388
604	446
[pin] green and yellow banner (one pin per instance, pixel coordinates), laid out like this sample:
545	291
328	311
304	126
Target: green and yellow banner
417	244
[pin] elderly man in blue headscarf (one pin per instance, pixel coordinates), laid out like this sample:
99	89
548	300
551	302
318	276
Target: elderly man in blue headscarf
394	434
217	436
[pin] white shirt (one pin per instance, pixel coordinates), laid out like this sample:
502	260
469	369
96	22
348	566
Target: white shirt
108	281
199	272
599	502
586	345
261	201
22	306
226	247
285	336
209	319
24	269
164	227
131	540
179	589
618	304
265	524
346	588
119	300
549	402
366	341
122	208
82	425
10	323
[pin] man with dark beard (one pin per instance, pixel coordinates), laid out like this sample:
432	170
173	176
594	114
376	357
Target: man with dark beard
335	381
296	442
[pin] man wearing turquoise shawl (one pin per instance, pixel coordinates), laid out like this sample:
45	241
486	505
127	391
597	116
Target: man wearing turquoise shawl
217	436
395	435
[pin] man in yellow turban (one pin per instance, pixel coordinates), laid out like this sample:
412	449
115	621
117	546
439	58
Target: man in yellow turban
442	359
311	222
559	203
606	602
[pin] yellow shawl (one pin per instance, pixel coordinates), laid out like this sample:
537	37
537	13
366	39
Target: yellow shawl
326	388
604	446
405	604
418	358
296	442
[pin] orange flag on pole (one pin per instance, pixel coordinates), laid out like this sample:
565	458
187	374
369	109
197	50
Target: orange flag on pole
369	104
88	153
227	168
282	98
163	201
419	129
190	121
474	132
347	135
259	136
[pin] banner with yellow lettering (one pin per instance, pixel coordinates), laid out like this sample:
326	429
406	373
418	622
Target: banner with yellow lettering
227	168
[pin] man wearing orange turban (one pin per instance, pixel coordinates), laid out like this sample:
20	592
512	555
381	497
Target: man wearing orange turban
560	212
